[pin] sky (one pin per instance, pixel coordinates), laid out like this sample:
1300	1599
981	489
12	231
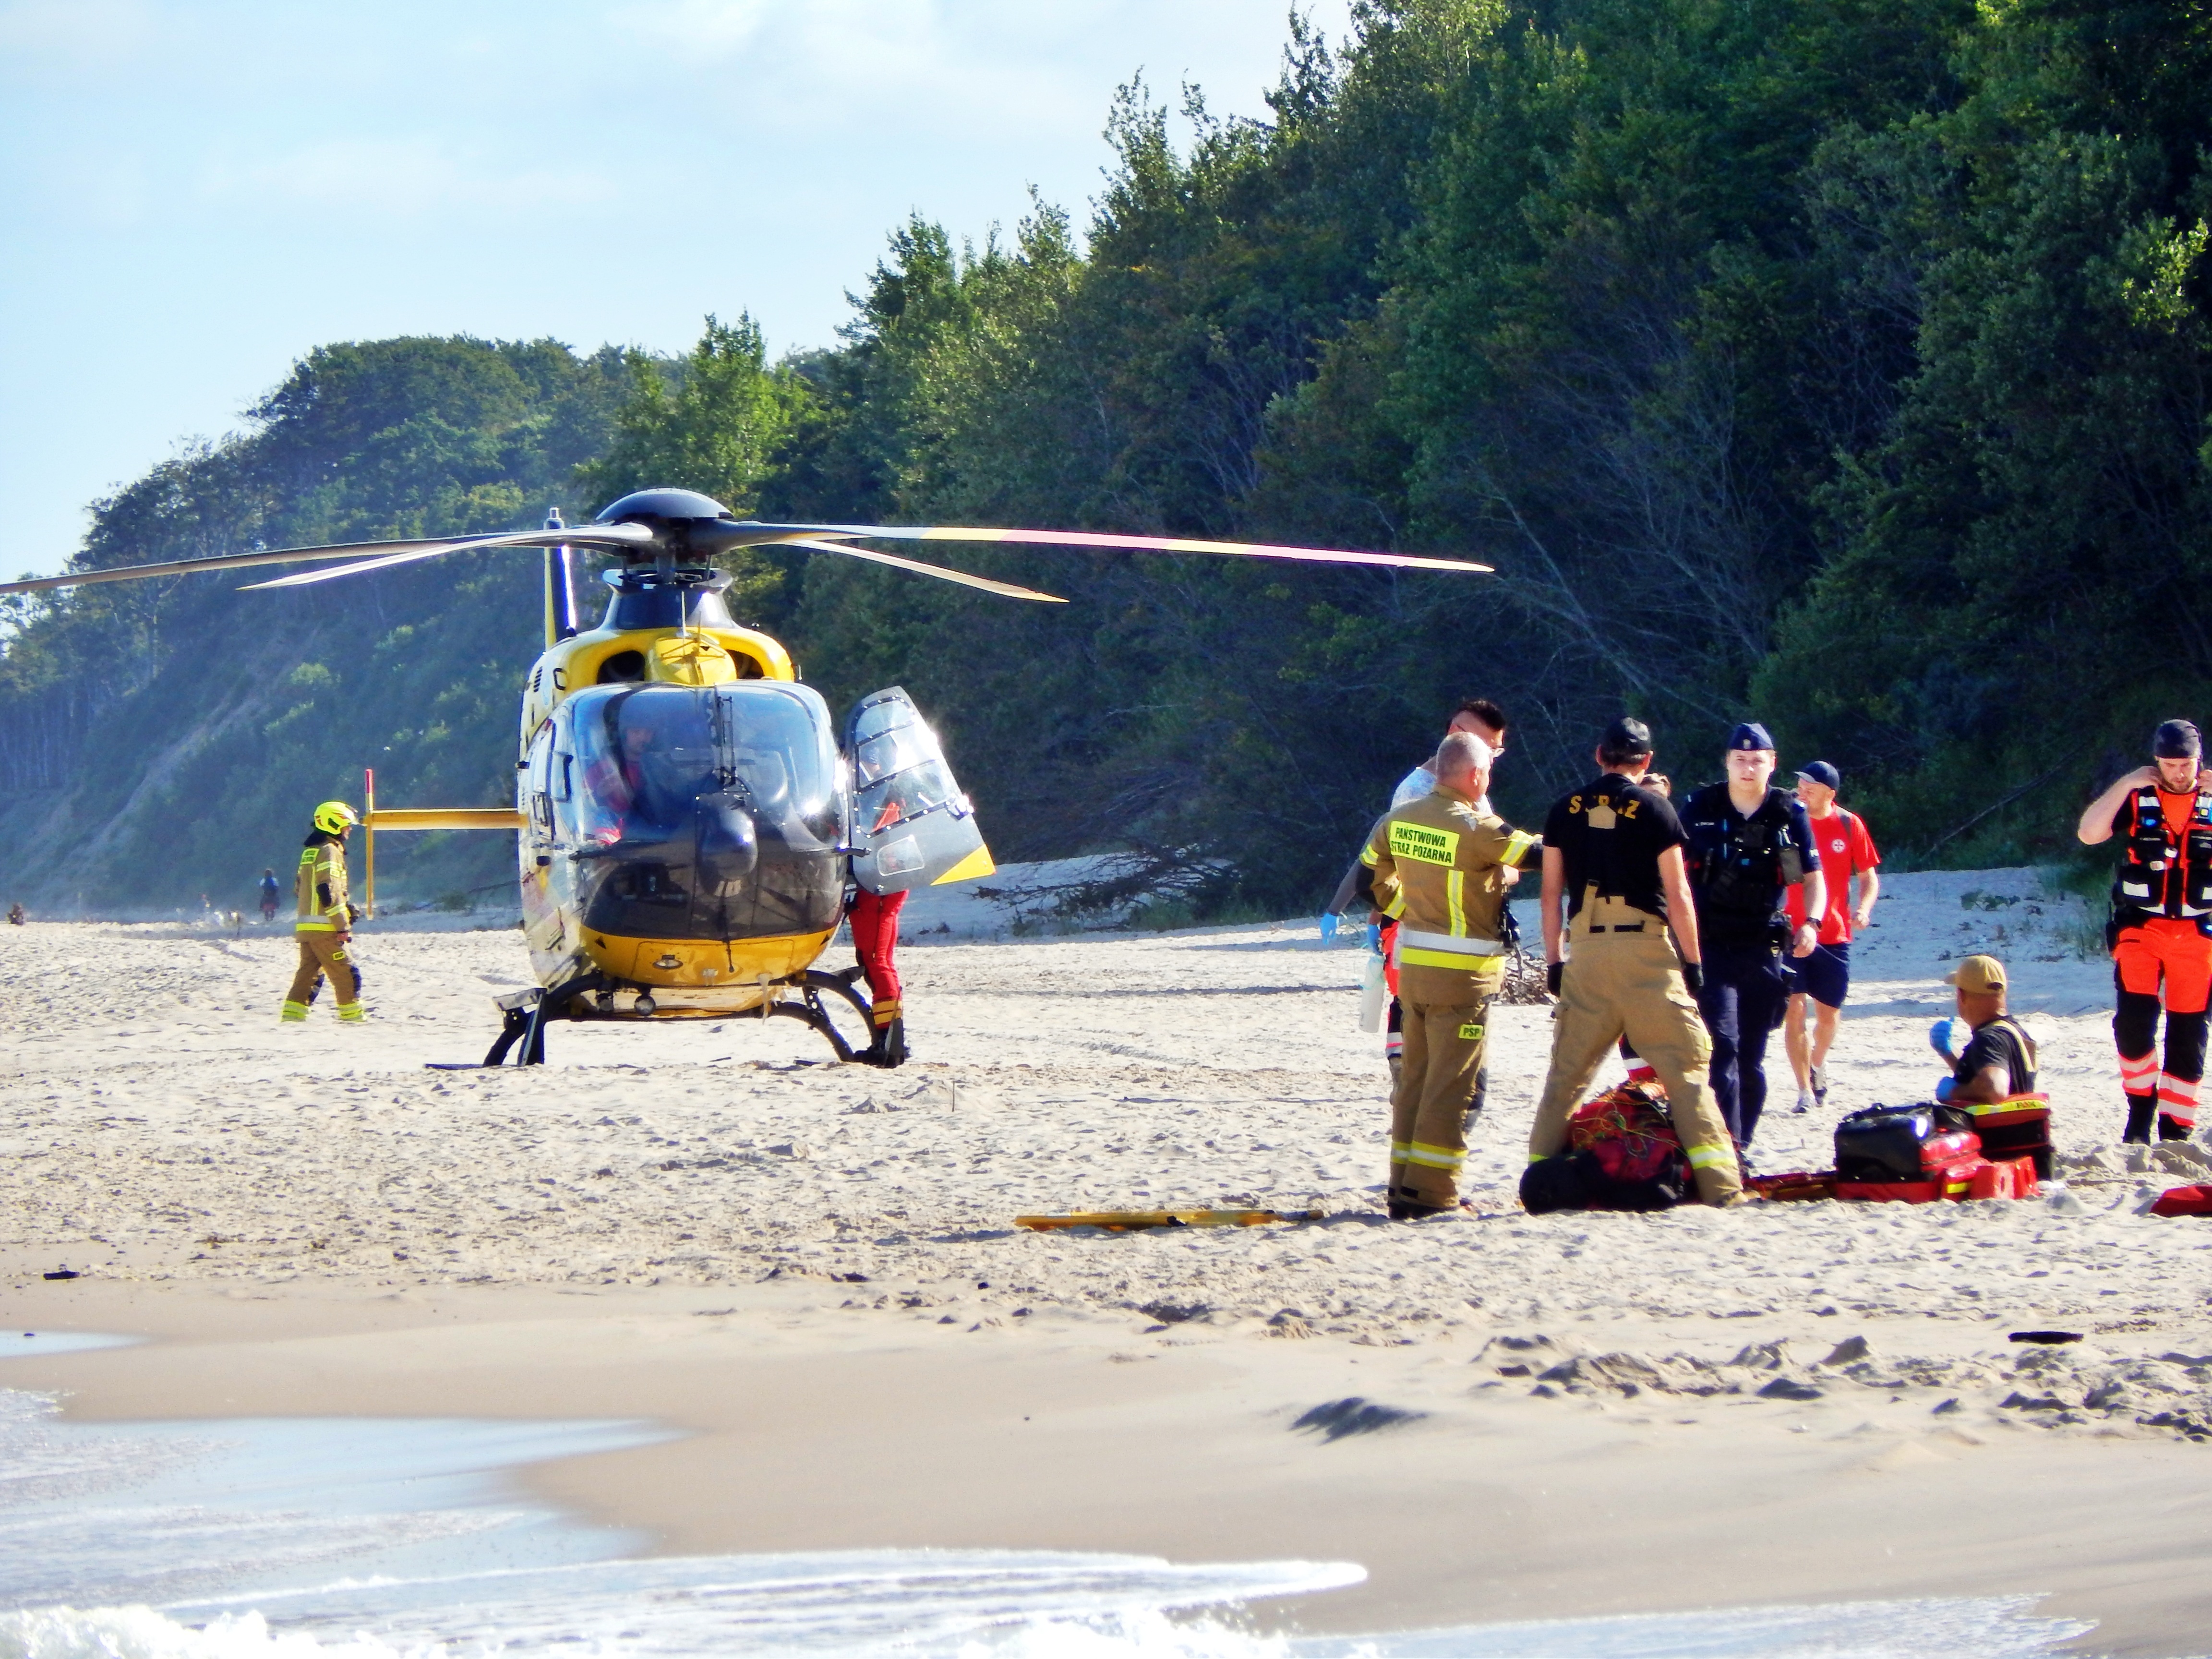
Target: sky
195	192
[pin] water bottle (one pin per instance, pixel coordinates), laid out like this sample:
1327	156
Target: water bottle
1374	993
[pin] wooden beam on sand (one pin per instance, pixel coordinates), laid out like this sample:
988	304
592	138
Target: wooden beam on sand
1125	1221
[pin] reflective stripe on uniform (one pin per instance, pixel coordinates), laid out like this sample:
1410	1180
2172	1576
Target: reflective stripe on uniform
1455	900
295	1010
1457	945
1396	907
1516	847
306	926
1440	959
1399	1151
1434	1157
1707	1157
2138	1077
351	1011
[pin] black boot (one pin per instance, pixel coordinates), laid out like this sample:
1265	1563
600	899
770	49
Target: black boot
889	1047
2141	1109
2170	1130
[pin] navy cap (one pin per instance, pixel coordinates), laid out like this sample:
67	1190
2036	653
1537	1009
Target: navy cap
1821	773
1750	735
1627	737
2177	740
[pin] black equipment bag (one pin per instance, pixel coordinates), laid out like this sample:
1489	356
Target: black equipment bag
1901	1143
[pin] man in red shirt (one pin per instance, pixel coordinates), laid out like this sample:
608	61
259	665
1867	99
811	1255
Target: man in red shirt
2161	908
1825	976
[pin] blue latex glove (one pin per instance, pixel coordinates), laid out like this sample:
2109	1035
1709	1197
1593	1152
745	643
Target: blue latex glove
1375	937
1328	926
1939	1037
1943	1089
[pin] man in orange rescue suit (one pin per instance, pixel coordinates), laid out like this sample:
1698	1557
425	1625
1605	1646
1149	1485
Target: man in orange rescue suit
326	920
1437	866
2161	907
1616	881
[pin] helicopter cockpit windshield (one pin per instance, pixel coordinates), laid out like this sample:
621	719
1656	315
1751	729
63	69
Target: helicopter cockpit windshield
703	811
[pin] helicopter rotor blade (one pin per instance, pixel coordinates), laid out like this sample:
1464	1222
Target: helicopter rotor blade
610	536
616	536
938	570
769	534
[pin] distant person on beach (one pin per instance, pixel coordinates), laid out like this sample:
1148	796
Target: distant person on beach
15	914
1616	884
1998	1061
324	925
270	893
1436	867
1749	843
2161	898
1824	975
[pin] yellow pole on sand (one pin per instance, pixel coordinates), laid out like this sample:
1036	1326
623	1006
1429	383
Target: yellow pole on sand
368	837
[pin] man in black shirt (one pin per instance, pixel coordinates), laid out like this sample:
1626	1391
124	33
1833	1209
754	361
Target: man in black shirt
1749	843
1614	881
1998	1061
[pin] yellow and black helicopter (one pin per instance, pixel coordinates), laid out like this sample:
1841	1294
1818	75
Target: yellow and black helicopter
690	818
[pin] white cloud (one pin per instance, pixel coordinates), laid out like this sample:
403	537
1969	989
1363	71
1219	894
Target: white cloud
76	33
398	178
706	29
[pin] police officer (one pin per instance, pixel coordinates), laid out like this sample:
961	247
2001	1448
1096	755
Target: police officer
1749	843
2161	907
325	926
1615	883
1437	865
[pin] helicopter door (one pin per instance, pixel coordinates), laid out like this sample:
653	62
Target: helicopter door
911	825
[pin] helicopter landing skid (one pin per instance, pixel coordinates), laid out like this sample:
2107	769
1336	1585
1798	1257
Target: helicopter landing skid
529	1012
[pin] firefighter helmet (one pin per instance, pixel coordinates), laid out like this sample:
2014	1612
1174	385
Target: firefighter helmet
335	818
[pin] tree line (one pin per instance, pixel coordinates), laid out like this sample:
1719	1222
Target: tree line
1836	362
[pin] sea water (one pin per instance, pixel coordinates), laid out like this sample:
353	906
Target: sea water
382	1539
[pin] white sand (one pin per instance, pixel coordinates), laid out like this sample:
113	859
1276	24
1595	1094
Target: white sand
165	1134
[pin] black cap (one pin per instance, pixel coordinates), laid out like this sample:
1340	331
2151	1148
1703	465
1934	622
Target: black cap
2177	740
1629	738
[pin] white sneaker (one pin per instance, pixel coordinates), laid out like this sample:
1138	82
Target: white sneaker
1805	1103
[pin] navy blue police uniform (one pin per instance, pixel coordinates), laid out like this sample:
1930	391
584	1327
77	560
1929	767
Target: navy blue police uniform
1740	868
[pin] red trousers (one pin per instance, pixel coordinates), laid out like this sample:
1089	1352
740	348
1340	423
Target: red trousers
874	918
2166	959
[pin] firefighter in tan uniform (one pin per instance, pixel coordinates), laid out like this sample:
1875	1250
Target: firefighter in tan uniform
1437	865
1614	881
325	926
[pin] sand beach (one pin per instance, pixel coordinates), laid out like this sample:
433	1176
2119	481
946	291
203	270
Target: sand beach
807	1277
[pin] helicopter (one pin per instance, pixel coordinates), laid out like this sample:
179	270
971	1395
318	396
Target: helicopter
690	819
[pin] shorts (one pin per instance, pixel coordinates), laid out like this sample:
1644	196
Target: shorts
1825	976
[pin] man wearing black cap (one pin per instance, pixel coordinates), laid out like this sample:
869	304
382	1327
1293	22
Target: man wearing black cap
1749	843
2161	908
1614	885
